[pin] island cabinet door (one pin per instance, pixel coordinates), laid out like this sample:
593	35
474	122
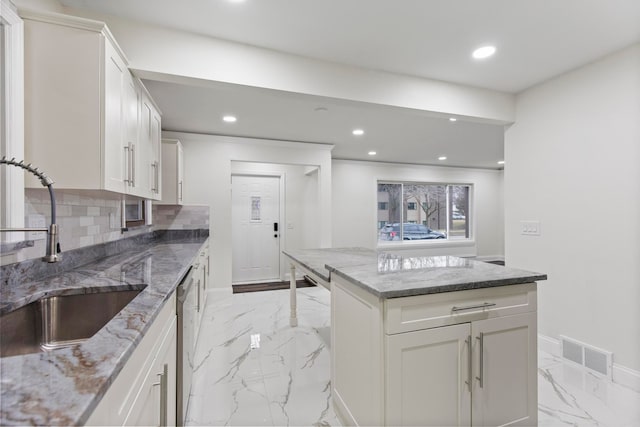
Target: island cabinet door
427	376
505	367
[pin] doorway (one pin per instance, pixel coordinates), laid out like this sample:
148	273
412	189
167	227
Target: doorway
256	228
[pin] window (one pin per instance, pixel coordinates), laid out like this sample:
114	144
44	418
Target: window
383	206
426	211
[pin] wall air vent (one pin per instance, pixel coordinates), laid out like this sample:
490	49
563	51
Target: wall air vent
592	358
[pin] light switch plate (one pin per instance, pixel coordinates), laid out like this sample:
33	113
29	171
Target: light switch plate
530	228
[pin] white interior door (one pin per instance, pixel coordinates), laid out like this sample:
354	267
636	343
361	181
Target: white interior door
256	228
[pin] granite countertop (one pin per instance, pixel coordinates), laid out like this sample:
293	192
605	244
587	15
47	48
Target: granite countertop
63	386
392	276
316	259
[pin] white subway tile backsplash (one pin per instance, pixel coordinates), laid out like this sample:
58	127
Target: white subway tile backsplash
83	218
85	221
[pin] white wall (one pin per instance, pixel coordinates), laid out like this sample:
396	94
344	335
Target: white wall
355	205
207	181
50	5
572	162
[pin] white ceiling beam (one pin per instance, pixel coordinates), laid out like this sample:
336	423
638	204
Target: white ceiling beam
166	54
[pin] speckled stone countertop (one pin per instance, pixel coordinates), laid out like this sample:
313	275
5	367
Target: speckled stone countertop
389	275
63	386
316	259
394	276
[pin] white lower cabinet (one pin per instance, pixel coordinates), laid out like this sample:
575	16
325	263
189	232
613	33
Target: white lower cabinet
505	388
155	403
144	393
477	373
466	358
426	373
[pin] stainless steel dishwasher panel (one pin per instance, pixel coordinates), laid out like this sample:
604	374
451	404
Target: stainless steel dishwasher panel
187	302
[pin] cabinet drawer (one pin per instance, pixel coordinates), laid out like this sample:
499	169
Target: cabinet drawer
449	308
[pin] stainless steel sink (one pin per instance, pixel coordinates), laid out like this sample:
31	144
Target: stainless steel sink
59	321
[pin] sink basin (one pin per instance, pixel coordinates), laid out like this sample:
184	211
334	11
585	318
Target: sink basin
59	321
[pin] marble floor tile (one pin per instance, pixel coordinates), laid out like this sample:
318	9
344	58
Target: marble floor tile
569	395
285	380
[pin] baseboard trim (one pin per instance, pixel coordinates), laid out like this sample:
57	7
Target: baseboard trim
627	377
549	345
621	374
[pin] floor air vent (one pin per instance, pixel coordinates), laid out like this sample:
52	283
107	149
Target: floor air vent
590	357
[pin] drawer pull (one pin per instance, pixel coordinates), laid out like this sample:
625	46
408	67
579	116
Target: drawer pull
469	365
471	307
164	393
480	377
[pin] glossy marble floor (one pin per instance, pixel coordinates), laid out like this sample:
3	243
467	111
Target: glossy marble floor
253	369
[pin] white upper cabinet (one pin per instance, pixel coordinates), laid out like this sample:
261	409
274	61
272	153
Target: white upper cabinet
84	109
172	172
148	162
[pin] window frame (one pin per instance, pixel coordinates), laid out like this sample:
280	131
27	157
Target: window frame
467	241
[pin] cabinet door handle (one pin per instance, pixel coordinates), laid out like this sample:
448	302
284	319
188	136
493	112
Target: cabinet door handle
133	165
157	176
180	191
469	362
481	370
127	163
154	187
471	307
164	394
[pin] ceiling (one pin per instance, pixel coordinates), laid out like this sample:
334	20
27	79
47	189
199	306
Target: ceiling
296	117
535	39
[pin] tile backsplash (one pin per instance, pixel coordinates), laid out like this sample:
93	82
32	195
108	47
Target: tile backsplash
88	218
172	217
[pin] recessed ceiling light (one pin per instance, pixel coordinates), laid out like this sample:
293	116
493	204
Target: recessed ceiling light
484	52
372	153
453	119
358	132
442	158
501	162
230	119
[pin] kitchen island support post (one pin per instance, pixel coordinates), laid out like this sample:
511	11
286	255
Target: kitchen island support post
293	319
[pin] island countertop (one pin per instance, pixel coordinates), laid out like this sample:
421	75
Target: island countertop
63	386
316	260
393	276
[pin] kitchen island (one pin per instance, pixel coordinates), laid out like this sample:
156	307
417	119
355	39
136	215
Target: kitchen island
64	386
430	340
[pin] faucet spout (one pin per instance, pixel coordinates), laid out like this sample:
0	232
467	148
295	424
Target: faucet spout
53	248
